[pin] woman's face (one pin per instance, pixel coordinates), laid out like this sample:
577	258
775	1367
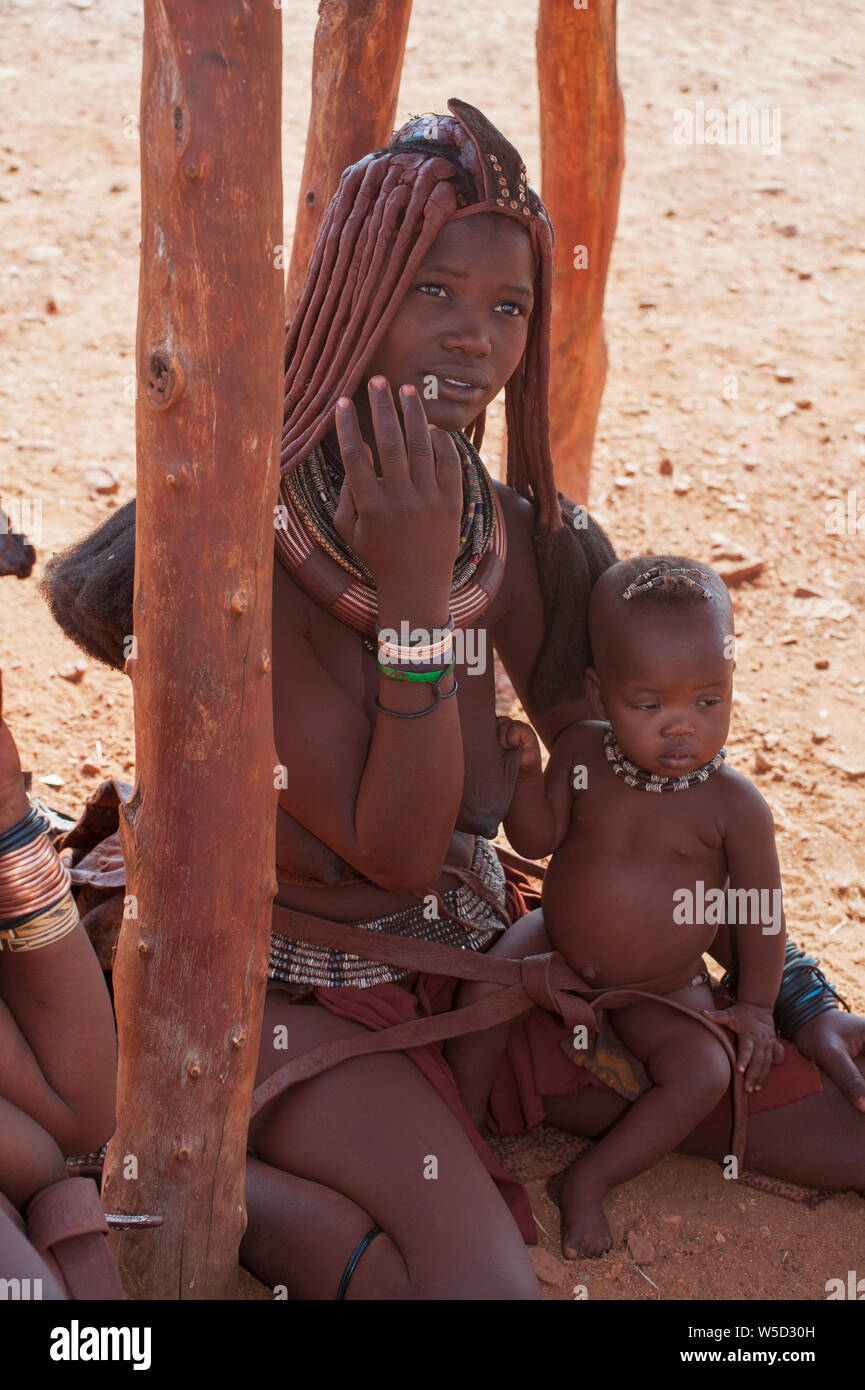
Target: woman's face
460	331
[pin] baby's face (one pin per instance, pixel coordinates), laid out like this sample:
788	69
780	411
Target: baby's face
666	686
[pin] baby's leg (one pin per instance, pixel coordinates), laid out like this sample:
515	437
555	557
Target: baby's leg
690	1071
474	1057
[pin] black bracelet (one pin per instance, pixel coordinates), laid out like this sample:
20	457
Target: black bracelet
804	992
421	713
27	829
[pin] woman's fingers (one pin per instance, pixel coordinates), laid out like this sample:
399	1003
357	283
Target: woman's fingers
356	456
761	1065
721	1016
746	1052
421	460
838	1064
345	516
448	468
389	440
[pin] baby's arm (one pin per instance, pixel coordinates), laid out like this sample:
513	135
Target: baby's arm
540	810
755	890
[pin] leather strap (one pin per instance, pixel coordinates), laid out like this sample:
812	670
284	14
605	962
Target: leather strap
544	980
66	1224
67	1208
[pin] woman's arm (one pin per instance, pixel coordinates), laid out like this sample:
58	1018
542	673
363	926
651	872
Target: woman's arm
57	1039
386	802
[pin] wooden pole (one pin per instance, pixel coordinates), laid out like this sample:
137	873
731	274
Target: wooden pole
582	159
198	833
356	67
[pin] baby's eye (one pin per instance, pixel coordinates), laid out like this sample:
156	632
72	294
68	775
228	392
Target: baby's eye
710	700
646	706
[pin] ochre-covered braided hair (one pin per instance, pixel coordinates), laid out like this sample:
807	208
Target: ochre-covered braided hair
386	213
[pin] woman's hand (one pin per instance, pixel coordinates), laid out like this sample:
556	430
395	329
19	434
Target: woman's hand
514	734
758	1044
404	525
833	1040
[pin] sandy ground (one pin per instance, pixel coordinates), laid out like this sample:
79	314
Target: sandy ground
733	418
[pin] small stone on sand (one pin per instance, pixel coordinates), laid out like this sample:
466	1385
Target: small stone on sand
641	1248
73	670
548	1269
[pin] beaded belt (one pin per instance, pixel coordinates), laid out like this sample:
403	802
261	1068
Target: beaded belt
301	963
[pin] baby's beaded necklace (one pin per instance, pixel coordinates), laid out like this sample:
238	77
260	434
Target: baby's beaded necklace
635	776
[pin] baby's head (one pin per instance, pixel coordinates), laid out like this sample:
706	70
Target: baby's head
661	631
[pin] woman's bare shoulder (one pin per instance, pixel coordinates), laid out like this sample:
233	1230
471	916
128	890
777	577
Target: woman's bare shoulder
519	514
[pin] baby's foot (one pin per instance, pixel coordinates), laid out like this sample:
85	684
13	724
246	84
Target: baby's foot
585	1230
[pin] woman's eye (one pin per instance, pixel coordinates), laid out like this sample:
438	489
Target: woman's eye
513	310
434	291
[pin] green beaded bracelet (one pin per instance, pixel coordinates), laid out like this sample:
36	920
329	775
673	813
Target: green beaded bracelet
428	677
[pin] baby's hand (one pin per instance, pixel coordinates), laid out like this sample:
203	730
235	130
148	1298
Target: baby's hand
513	733
759	1047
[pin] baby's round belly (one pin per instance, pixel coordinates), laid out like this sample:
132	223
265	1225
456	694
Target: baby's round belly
624	925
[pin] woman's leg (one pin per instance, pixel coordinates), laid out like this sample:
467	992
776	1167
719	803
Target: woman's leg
301	1235
376	1146
818	1141
25	1272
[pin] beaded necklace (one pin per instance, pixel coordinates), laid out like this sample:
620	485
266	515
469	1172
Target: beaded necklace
315	484
320	561
635	776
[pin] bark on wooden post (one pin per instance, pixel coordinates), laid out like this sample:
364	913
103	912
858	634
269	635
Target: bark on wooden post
198	832
582	159
356	67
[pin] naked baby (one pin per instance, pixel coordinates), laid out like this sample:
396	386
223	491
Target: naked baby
655	841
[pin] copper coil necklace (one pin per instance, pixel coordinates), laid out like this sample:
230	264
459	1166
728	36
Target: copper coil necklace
311	548
315	484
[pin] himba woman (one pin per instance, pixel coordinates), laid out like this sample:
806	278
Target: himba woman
428	292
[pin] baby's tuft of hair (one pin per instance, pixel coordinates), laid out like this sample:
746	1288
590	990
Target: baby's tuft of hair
653	583
663	580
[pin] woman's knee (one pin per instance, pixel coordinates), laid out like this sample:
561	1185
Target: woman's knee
511	1283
